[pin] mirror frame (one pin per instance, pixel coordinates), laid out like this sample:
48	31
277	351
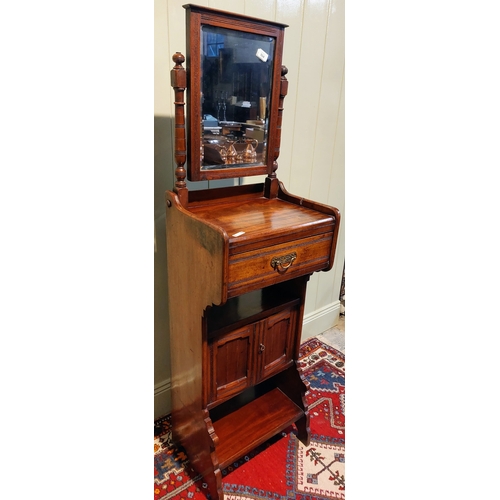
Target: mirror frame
196	16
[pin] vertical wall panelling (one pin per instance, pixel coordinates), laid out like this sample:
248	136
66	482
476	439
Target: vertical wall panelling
289	12
265	9
332	65
328	284
237	6
308	89
311	161
337	190
326	174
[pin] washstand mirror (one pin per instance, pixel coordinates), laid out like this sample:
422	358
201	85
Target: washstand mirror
234	70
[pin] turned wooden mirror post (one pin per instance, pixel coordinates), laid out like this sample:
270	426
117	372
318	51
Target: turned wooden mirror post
272	181
238	258
178	80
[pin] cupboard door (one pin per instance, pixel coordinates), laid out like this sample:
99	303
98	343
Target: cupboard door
231	363
276	343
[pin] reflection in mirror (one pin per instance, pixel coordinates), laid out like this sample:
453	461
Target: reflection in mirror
237	71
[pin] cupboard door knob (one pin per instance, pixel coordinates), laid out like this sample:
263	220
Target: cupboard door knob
281	264
261	347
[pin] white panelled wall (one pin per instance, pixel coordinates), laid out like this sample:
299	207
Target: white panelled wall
311	162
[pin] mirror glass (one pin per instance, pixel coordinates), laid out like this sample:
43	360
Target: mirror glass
237	73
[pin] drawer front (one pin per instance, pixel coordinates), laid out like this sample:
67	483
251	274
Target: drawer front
268	265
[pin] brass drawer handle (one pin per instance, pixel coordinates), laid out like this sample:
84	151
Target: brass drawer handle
281	264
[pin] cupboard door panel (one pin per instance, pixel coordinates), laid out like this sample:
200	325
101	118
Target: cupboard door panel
232	362
275	346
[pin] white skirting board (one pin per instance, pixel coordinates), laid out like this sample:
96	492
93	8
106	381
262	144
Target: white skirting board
320	320
162	403
314	323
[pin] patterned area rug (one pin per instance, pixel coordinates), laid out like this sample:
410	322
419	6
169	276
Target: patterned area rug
283	468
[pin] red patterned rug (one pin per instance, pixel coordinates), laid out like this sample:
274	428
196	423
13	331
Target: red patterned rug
283	468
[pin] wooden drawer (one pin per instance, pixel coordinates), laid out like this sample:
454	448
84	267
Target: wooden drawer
272	264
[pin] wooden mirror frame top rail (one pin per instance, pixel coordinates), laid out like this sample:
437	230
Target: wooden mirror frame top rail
238	262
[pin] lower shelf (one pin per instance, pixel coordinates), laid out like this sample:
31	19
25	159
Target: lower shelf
252	424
